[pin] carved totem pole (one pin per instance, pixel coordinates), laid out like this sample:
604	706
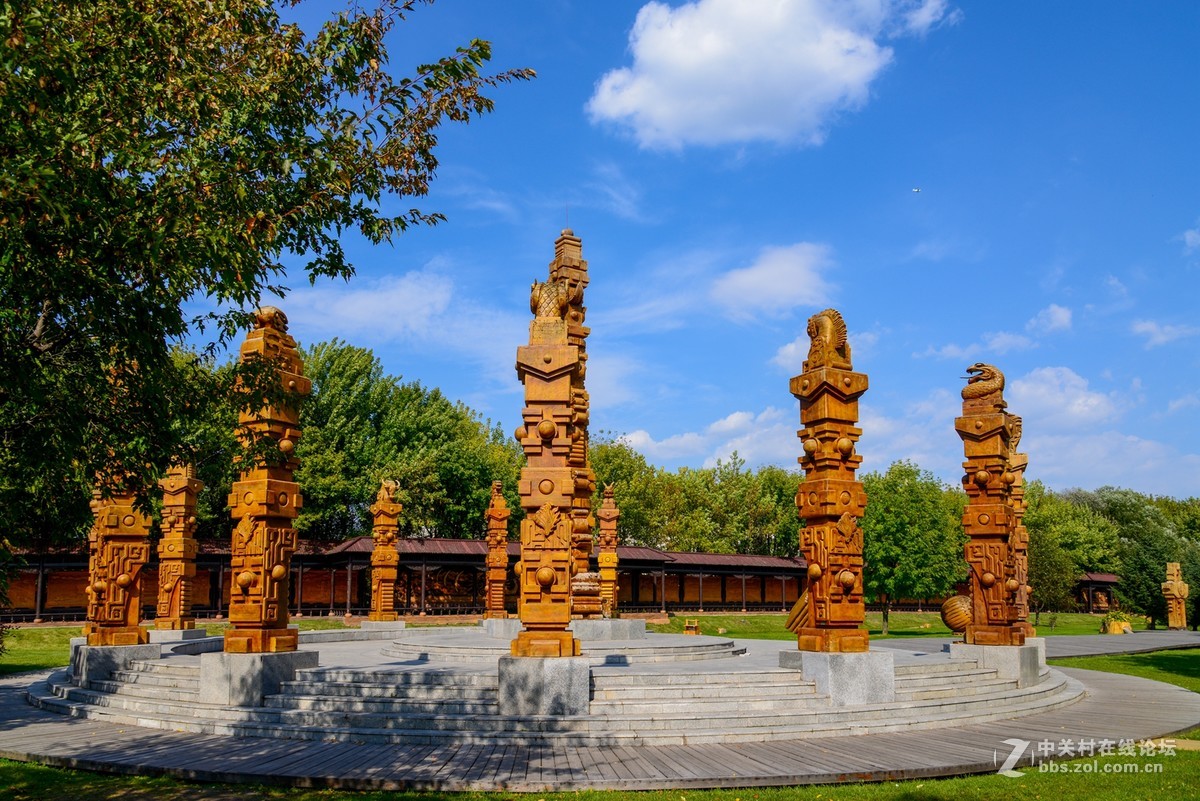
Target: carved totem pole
989	519
1176	593
830	612
264	502
556	483
177	549
1018	541
118	549
606	556
497	515
385	559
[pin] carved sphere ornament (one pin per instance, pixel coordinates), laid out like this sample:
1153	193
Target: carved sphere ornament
956	613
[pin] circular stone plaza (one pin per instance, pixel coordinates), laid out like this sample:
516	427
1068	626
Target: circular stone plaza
423	708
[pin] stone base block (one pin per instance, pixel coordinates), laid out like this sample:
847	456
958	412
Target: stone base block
1018	663
609	629
105	636
383	625
540	686
501	628
545	644
848	679
176	635
244	679
98	662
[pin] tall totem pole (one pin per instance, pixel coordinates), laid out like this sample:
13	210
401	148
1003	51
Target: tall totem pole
177	549
265	501
556	483
385	559
606	552
497	515
828	616
994	549
118	549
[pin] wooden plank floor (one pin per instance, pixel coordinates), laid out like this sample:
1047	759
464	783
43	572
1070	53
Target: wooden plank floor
1115	708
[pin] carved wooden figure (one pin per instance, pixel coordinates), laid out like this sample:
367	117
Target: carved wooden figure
118	549
606	556
497	515
1176	593
989	519
830	612
556	483
177	549
385	559
264	502
1018	543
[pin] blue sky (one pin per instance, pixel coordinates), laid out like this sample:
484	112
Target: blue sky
733	166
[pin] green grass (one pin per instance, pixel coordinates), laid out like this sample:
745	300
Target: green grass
41	647
1180	667
900	624
1179	779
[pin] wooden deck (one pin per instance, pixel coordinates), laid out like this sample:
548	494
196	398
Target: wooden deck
1115	708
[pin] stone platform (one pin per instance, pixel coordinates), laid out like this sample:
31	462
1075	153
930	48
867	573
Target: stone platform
395	720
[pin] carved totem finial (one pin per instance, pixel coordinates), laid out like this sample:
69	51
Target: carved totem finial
830	346
271	317
984	389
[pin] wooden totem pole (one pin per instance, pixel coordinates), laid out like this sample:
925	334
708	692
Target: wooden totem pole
385	559
118	549
1176	592
1018	541
829	614
606	557
989	520
264	503
556	483
497	515
177	549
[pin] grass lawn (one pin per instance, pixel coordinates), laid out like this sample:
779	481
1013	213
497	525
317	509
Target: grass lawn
1180	667
900	624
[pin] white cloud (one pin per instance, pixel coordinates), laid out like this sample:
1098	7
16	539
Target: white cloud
679	446
1191	239
613	191
725	71
1051	398
1158	334
1097	458
1051	318
1186	402
780	279
610	379
995	343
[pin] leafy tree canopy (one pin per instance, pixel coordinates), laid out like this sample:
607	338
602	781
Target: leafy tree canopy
159	153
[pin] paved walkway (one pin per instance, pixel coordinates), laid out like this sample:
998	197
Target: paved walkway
1115	708
1074	645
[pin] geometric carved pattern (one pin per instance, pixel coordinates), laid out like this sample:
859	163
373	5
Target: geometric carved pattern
118	549
265	501
1176	592
830	612
997	545
556	484
177	549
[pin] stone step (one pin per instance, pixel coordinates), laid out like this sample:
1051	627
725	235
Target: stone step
963	678
927	666
391	706
430	692
584	730
701	692
156	679
166	667
716	680
444	678
705	707
978	687
145	692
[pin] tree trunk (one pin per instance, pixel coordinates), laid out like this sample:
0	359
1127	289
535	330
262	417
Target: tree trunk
887	605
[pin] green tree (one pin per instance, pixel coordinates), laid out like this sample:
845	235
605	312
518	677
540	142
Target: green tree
1053	574
912	537
1091	539
635	487
158	153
